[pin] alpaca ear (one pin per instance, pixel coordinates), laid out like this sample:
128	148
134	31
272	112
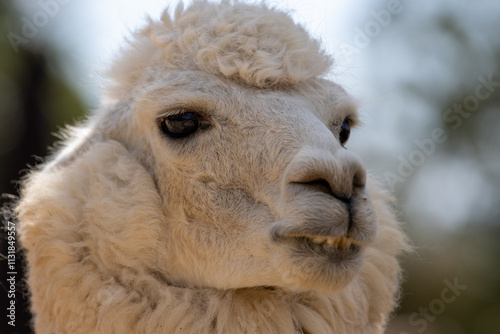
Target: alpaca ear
104	198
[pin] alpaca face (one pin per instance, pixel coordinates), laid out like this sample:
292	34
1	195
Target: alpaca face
257	187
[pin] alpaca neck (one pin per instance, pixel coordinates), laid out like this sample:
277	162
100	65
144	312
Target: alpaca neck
257	310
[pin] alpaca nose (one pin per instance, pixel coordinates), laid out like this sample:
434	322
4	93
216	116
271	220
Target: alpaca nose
340	174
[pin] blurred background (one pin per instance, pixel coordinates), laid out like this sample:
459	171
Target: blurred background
427	76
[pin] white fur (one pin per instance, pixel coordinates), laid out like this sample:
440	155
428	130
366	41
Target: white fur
129	231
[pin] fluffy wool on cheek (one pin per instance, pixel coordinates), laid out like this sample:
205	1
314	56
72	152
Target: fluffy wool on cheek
206	256
216	228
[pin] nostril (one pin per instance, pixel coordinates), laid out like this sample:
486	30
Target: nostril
320	185
359	180
359	177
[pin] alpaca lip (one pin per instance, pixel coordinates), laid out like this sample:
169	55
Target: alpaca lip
341	250
337	249
337	242
342	242
318	239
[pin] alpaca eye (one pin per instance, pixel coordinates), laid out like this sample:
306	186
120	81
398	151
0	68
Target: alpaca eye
180	125
345	131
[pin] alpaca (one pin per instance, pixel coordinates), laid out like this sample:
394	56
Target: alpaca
212	192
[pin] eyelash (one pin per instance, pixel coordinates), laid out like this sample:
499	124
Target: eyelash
182	124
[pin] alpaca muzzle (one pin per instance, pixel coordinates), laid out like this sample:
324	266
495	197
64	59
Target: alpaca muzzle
325	203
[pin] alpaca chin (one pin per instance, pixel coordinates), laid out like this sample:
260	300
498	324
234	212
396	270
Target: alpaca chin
321	270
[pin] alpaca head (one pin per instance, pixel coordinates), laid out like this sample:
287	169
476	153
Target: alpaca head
246	147
218	161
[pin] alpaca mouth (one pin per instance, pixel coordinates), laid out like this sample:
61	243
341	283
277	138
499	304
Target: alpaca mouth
339	242
336	249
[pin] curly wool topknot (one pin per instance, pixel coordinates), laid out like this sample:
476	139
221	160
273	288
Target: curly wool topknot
254	45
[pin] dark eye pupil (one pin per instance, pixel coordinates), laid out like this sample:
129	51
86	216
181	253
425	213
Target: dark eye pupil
180	125
345	131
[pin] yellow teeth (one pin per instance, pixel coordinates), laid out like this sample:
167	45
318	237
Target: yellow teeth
332	241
